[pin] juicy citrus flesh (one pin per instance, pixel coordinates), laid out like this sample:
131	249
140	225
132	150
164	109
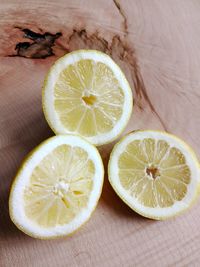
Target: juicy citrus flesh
59	187
88	98
154	173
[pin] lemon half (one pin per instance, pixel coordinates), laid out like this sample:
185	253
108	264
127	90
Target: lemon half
155	173
57	187
86	93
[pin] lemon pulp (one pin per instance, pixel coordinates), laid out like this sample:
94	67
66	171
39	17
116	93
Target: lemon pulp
153	172
59	186
88	98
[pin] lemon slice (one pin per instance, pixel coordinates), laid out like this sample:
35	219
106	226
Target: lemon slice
86	93
57	187
154	173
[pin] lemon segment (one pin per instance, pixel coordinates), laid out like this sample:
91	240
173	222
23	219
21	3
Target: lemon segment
57	187
155	173
86	93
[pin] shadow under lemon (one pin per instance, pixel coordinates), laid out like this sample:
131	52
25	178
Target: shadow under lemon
26	137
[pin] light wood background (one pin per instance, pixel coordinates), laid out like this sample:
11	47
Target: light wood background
157	44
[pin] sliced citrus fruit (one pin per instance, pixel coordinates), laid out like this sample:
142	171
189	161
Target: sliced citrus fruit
57	187
155	173
86	93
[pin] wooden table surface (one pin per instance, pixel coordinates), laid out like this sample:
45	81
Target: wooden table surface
157	44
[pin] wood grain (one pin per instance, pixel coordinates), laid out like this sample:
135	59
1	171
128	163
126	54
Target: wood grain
157	44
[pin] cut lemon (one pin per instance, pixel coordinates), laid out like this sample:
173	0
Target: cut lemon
57	187
86	93
155	173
